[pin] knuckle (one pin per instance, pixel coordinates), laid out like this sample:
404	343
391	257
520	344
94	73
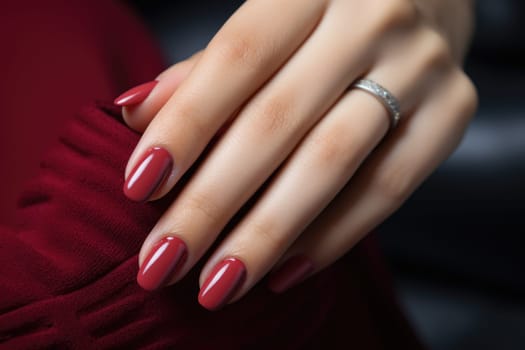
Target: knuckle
393	14
239	51
272	116
267	233
437	51
394	183
202	206
331	147
463	98
468	94
189	116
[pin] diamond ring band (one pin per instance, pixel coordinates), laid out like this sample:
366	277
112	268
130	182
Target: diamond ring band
384	96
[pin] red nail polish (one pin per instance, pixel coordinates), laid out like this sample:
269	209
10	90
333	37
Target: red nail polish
148	175
222	283
163	262
293	271
135	95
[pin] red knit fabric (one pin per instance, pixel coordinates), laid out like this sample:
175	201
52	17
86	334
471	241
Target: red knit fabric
68	264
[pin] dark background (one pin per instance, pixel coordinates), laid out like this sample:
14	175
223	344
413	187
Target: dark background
456	246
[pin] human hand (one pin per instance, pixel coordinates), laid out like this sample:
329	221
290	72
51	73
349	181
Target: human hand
275	81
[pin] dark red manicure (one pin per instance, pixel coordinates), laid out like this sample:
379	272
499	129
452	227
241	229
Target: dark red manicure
135	95
149	174
163	262
222	283
293	271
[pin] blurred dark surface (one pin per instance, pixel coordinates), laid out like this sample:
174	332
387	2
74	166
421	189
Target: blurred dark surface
456	245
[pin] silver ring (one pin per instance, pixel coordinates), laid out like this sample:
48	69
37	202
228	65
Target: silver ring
384	96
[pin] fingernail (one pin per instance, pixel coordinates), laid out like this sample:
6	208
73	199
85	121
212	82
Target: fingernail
293	271
135	95
222	283
149	174
163	262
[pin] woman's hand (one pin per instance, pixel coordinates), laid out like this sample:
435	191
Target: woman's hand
275	82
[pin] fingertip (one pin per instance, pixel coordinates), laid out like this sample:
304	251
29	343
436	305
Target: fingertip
163	263
149	174
141	103
132	118
224	281
136	94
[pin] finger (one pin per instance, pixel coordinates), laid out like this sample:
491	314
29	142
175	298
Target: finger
319	168
260	138
239	59
307	182
142	103
384	182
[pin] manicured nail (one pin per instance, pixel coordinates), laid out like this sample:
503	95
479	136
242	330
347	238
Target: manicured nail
222	283
162	264
135	95
149	174
293	271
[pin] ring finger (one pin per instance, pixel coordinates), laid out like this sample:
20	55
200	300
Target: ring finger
383	183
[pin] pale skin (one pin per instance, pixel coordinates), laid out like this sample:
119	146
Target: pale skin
279	71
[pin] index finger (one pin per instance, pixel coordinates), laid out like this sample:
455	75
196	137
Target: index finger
245	53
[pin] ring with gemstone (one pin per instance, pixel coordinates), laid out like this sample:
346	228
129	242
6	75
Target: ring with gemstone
384	96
